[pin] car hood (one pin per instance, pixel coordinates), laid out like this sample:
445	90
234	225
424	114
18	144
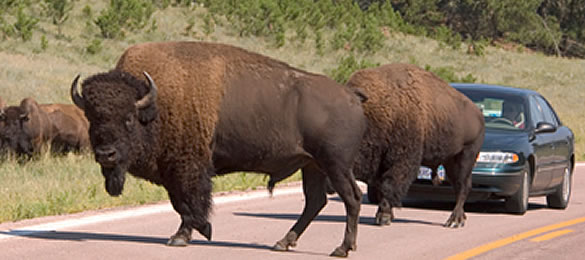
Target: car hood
501	140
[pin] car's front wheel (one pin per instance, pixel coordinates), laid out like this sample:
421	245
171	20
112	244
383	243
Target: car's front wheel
518	203
560	198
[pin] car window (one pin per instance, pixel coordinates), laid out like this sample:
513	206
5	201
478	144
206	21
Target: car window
536	111
547	112
500	111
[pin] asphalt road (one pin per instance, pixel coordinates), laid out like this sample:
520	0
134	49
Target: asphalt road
247	225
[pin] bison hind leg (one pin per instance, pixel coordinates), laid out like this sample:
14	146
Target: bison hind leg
315	200
458	170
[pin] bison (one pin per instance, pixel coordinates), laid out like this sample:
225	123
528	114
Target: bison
209	109
29	126
415	118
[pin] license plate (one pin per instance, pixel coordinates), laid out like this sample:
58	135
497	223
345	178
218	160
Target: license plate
425	173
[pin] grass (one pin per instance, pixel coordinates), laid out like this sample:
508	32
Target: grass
58	185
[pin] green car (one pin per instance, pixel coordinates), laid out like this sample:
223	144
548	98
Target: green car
527	151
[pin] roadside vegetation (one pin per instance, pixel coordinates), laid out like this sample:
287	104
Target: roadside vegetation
44	44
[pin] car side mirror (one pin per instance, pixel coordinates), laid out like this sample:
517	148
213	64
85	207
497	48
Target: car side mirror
544	127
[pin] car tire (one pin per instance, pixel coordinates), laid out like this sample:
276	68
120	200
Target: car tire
518	203
560	198
373	196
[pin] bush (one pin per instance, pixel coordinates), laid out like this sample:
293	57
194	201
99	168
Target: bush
58	11
124	14
448	74
25	24
347	66
94	47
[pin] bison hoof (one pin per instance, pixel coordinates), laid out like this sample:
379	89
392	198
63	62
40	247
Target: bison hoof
289	240
339	252
280	247
177	242
383	219
455	222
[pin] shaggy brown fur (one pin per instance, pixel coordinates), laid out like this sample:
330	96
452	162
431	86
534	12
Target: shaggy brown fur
220	109
30	126
415	118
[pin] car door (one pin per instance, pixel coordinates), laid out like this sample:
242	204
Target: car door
560	143
542	147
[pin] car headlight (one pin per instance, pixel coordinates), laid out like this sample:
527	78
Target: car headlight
497	157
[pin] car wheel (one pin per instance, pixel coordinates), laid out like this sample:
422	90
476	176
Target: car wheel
518	203
373	194
560	198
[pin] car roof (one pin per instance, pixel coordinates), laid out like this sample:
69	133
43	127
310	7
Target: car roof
495	88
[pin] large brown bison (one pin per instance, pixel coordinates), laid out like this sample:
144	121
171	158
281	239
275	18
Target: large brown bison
217	109
415	118
30	126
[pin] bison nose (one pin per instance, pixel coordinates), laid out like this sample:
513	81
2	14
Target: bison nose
106	155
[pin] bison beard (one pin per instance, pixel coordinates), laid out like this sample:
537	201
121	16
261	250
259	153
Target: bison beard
114	178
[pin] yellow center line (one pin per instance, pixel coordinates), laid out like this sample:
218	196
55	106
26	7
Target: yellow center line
502	242
551	235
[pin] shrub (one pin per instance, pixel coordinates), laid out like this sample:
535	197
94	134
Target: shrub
94	47
124	14
44	43
58	11
25	24
448	74
347	66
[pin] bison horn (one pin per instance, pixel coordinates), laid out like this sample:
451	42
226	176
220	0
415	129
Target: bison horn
150	97
77	99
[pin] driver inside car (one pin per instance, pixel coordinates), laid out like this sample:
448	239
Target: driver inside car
514	113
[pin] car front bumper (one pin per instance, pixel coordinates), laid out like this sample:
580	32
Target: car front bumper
486	183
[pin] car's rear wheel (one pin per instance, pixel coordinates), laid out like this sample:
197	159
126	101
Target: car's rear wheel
560	198
518	203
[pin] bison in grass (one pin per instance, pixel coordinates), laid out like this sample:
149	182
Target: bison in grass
214	109
415	118
30	126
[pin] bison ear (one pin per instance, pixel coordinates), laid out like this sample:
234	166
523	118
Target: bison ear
146	115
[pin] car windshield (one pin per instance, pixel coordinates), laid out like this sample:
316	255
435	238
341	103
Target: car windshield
500	110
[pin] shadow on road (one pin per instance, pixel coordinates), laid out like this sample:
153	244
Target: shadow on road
331	218
482	206
85	236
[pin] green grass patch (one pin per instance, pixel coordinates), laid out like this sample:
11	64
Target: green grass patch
73	183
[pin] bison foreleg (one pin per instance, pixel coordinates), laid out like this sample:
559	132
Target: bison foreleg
193	204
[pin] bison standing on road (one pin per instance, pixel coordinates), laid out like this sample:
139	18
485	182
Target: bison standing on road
30	126
415	118
217	109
